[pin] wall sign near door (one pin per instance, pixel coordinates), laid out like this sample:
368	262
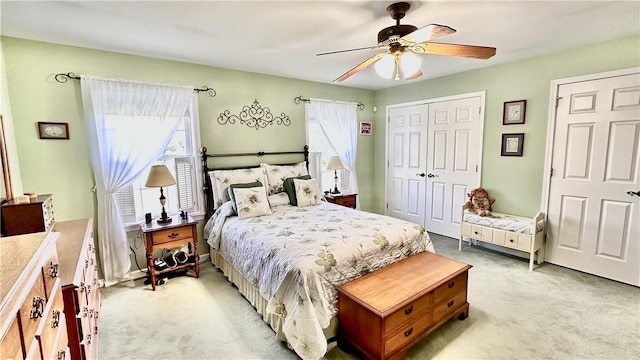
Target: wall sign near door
51	130
513	112
512	144
366	128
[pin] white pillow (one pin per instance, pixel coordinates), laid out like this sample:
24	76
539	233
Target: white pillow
279	199
307	192
277	173
221	179
251	202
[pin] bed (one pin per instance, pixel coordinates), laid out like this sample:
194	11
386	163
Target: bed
288	260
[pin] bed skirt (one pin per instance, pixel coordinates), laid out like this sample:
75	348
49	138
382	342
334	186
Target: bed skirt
252	294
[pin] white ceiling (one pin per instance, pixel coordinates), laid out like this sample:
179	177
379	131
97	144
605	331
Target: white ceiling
282	37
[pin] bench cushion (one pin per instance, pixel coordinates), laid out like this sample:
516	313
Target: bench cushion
506	222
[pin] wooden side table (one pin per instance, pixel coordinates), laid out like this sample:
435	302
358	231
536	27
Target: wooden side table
170	236
344	199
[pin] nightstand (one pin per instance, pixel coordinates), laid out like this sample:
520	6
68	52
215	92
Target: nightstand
344	199
170	236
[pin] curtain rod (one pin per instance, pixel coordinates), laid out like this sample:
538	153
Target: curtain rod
63	78
299	99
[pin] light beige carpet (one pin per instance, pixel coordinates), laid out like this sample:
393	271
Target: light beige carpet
550	313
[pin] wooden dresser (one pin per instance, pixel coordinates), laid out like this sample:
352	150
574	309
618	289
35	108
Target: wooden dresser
384	312
80	288
31	217
32	304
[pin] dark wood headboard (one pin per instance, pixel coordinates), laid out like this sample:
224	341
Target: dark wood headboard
204	157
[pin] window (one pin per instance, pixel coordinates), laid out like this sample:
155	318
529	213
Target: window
318	142
181	158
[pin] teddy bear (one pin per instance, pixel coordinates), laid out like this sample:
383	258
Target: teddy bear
479	202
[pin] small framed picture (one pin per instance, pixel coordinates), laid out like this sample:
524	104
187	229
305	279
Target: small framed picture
366	128
53	130
512	144
513	112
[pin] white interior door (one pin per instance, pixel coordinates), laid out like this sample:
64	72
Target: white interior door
454	151
593	222
407	150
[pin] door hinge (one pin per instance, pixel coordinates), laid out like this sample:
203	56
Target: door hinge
387	163
476	168
480	110
551	172
387	206
558	100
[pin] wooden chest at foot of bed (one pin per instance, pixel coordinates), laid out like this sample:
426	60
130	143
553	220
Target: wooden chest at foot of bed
384	312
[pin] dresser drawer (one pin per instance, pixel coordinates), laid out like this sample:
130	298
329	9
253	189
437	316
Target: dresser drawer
511	239
32	310
46	335
449	306
465	229
51	271
169	235
406	334
524	242
408	313
10	346
60	348
449	288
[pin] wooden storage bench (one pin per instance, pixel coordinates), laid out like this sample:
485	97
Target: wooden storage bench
514	232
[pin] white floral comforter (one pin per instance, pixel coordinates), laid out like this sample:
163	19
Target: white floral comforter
297	256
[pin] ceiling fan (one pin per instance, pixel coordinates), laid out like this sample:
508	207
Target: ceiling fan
402	42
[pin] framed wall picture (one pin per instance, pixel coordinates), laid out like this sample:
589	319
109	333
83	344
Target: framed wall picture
513	112
512	144
53	130
366	128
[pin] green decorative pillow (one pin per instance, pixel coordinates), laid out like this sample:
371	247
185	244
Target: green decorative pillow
290	190
232	196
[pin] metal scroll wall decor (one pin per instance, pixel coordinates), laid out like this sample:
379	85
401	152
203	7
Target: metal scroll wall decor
254	116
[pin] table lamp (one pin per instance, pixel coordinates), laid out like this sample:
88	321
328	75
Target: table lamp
159	176
335	164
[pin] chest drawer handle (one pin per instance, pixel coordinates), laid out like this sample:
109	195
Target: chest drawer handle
451	284
37	308
450	303
408	310
53	270
173	235
55	319
408	332
62	354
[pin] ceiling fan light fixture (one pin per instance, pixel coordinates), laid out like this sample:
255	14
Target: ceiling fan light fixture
410	64
386	67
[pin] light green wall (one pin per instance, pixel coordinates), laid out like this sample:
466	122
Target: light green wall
515	182
61	167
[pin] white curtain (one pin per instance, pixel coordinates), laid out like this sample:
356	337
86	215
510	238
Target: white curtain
128	126
339	123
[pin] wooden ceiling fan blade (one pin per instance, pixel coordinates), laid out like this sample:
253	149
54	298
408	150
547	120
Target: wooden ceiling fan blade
360	66
428	32
415	76
347	50
470	51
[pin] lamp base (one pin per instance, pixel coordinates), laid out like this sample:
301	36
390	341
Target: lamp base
164	221
335	191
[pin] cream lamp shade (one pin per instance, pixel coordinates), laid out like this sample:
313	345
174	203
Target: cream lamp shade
160	176
335	164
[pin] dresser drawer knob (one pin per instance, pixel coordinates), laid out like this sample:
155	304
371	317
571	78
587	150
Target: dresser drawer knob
475	232
62	354
510	240
408	332
173	235
450	303
451	284
95	330
55	319
408	310
37	308
85	311
53	270
86	264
